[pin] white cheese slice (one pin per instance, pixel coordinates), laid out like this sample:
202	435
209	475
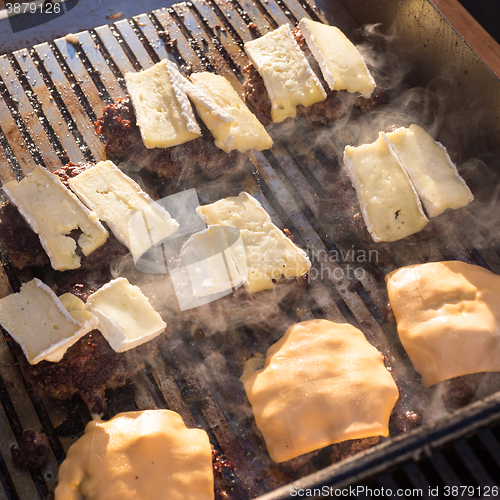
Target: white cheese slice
163	112
198	95
269	253
38	321
430	168
135	219
215	259
244	131
389	204
342	65
126	318
288	77
53	211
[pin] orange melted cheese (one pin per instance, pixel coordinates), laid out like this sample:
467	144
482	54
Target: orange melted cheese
448	316
140	455
322	383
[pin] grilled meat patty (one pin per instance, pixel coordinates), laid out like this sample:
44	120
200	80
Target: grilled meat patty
124	143
336	105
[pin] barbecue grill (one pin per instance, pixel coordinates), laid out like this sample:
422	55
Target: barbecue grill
51	96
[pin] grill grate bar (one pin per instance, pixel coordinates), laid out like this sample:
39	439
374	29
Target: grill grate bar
23	407
150	32
70	103
482	244
490	442
8	164
21	481
82	86
318	14
28	106
444	469
177	355
144	397
310	238
125	47
488	233
54	123
17	98
235	24
214	57
88	48
148	35
417	478
4	488
296	10
229	42
250	11
87	79
196	37
133	42
472	463
15	128
387	482
297	184
170	390
184	53
269	11
110	45
385	255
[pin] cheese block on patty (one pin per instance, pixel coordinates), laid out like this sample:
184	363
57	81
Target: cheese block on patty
244	132
139	455
389	204
126	318
40	323
162	109
270	254
448	317
135	219
288	77
430	168
342	65
321	384
53	212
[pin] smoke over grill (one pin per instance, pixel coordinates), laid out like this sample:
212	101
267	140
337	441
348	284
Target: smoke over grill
51	97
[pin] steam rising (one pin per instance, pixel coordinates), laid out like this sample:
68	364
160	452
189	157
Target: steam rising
270	313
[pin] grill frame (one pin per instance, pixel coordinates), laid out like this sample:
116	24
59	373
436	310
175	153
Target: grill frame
54	116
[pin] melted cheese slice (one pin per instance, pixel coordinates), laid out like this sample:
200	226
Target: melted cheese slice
135	219
126	318
342	65
322	383
40	323
389	204
430	168
270	254
244	132
53	211
287	75
140	455
448	316
162	109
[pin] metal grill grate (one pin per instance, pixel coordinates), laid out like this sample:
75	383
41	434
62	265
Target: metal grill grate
51	97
